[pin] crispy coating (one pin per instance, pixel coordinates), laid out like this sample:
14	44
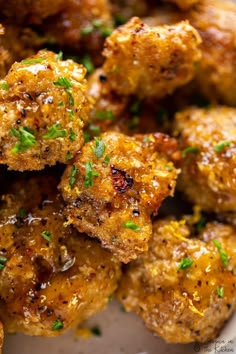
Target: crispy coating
62	281
184	4
113	200
16	43
208	175
183	305
43	97
150	62
30	11
215	21
81	27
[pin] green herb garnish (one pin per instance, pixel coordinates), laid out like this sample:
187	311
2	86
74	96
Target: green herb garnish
89	174
106	159
185	263
27	139
168	167
223	255
59	56
3	261
87	63
220	291
95	129
105	115
130	225
99	148
135	107
5	86
55	132
46	235
64	82
96	331
22	213
72	179
201	223
68	155
222	145
32	61
86	30
86	137
191	149
72	135
134	122
57	325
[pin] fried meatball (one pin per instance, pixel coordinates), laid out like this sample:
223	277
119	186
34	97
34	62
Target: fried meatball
16	43
30	11
52	276
113	187
184	4
81	27
183	288
215	21
208	143
43	108
150	62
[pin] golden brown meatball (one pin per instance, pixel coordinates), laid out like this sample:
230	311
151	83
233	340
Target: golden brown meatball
16	43
215	20
43	108
184	4
30	11
150	62
113	187
208	143
81	26
183	288
52	277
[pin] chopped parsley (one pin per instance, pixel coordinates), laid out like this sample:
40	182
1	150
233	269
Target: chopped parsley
72	114
2	262
5	86
72	135
185	263
134	122
146	139
119	20
86	137
105	115
220	291
61	104
223	255
68	155
222	145
106	159
130	225
89	174
46	235
55	132
87	63
201	223
95	129
32	61
168	167
96	331
99	148
106	31
59	56
191	149
57	325
87	30
96	25
64	82
22	213
26	137
135	107
72	179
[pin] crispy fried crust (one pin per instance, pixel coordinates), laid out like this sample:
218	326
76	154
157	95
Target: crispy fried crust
183	306
150	62
1	337
208	173
66	279
129	188
36	99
